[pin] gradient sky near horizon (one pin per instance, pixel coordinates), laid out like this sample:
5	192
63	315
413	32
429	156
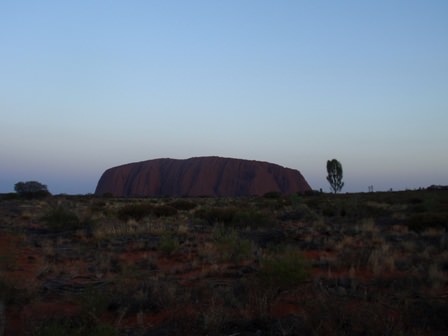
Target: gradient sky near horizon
87	85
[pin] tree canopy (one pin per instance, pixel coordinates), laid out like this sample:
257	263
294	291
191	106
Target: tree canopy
31	189
335	174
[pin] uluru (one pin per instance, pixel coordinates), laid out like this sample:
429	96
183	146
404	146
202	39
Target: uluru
200	176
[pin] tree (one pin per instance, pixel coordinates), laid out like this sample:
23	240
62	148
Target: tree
334	169
31	189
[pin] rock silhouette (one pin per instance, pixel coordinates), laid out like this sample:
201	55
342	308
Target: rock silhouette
200	176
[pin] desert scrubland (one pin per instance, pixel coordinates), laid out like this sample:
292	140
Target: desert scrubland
314	264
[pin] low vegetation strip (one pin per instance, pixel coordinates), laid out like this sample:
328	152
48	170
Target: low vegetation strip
369	264
69	286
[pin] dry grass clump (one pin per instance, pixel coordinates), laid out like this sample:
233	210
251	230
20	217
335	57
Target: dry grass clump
115	228
368	225
381	260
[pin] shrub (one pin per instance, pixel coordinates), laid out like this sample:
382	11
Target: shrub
60	218
422	221
415	200
272	195
54	328
284	268
164	211
94	301
271	204
31	189
295	200
301	212
104	330
185	205
229	244
314	203
312	193
216	215
9	196
9	294
134	211
71	327
168	244
417	208
140	211
234	216
251	218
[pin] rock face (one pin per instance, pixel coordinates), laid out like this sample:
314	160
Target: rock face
201	176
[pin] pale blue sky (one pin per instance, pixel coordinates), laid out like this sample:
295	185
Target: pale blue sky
87	85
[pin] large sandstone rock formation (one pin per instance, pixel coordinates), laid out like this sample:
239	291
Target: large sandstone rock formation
201	176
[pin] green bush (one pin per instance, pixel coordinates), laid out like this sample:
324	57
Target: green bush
300	212
214	215
135	211
272	195
184	205
94	301
252	218
56	328
142	210
422	221
314	203
270	203
104	330
295	200
60	218
70	327
229	244
284	268
9	196
233	216
164	211
415	200
417	208
31	190
9	294
168	244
